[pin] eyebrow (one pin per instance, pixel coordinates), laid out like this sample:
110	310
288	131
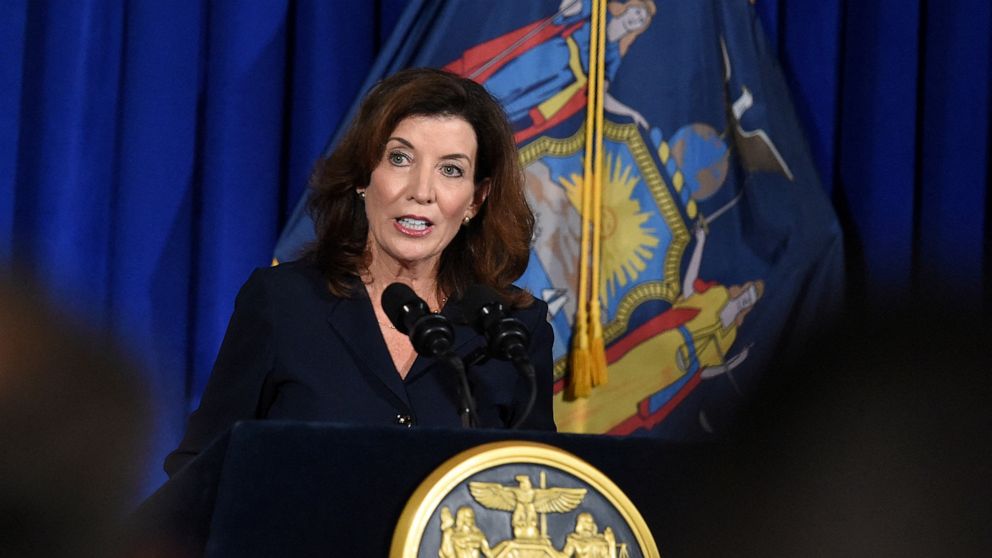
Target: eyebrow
448	156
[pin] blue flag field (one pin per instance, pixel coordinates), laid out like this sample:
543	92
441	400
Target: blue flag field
709	246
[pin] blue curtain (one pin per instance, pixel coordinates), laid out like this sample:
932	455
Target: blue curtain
151	152
896	95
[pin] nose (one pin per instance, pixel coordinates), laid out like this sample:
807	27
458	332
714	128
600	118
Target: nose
420	187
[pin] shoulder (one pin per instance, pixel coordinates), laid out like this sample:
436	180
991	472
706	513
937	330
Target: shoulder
295	270
297	280
536	311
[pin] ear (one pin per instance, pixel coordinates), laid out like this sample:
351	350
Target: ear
481	193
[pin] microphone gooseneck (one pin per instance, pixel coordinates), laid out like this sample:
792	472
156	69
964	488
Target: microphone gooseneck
507	338
431	335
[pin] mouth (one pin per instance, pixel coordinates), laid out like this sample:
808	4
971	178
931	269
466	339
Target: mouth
414	226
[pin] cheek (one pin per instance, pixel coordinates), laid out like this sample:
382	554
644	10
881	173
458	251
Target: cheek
379	196
456	206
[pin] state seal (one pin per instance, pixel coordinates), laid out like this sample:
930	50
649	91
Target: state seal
520	500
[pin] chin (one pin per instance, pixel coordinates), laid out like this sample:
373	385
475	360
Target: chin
417	253
413	257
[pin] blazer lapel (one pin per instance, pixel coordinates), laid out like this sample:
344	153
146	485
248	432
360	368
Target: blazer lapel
353	320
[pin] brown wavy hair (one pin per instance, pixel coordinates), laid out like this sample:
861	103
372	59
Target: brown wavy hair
493	249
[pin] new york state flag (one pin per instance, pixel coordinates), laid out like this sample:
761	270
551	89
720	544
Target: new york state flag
717	248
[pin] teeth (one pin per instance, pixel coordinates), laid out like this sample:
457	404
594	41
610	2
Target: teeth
415	224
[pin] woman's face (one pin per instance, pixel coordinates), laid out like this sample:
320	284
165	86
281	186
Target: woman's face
421	191
634	18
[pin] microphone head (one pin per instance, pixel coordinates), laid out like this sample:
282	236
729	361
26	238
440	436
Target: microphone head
482	306
506	336
402	306
431	334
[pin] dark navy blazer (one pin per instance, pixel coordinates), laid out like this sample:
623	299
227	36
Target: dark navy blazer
294	351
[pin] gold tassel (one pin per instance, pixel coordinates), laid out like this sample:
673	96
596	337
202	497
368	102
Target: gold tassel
597	348
597	352
581	382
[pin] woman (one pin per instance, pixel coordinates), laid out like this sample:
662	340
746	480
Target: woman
424	189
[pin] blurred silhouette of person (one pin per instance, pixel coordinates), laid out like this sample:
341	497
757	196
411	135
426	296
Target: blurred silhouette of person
72	420
875	443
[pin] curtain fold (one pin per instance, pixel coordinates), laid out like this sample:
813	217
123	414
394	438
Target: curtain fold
895	96
952	173
149	154
13	30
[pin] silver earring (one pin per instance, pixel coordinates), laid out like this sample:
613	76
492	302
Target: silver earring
466	220
361	194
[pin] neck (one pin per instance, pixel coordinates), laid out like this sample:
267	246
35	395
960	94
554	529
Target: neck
423	282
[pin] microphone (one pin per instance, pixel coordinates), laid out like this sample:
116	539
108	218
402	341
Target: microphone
431	334
506	337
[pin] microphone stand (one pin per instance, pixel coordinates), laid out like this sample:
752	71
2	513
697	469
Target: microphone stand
467	409
520	360
432	336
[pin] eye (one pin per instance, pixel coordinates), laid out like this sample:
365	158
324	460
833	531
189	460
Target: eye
452	171
398	158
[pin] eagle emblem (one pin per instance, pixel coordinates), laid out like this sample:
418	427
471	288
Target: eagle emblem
526	502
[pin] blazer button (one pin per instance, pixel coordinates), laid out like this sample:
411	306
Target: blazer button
404	420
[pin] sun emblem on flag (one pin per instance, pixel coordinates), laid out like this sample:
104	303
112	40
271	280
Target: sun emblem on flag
628	243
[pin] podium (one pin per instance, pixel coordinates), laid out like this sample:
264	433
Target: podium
270	488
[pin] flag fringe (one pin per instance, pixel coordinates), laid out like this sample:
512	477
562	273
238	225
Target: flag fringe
581	384
597	356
